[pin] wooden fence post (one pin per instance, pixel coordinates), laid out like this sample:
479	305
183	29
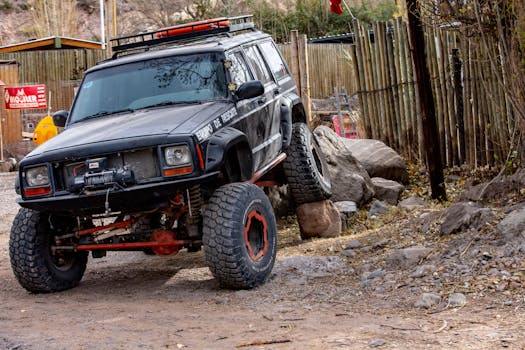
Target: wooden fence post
299	67
458	92
294	62
428	111
305	77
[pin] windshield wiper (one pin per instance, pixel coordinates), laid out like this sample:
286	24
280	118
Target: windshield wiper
170	103
104	113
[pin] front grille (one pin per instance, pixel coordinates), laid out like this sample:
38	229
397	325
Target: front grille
143	163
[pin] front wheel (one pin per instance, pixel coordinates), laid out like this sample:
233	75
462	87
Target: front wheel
240	236
36	267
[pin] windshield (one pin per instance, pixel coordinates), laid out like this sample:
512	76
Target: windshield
157	82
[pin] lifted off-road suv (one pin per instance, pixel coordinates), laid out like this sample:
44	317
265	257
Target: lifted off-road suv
167	146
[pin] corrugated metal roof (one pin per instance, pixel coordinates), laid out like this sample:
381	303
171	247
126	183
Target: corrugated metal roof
52	43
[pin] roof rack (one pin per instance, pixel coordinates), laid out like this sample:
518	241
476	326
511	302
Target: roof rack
183	32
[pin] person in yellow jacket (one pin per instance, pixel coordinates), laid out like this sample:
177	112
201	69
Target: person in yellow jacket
45	130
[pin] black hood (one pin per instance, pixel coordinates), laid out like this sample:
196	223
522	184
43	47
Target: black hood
183	119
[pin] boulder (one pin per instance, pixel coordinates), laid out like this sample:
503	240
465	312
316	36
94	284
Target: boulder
350	181
378	159
387	190
347	211
5	167
513	225
464	215
318	219
496	188
281	200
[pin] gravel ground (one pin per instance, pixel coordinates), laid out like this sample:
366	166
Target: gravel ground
320	296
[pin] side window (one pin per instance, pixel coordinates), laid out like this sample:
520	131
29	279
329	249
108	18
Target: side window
274	60
257	62
239	70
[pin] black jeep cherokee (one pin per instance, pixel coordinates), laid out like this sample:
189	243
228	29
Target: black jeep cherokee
167	146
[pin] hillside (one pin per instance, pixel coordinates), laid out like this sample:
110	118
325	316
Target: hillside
22	20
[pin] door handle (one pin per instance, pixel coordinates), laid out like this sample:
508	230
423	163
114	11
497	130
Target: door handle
277	91
261	101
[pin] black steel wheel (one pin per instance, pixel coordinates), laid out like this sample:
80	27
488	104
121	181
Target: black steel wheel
305	167
37	267
240	236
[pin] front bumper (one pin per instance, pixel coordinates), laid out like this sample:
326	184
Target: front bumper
129	200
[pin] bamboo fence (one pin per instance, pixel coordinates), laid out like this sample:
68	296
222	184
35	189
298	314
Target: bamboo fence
329	66
474	117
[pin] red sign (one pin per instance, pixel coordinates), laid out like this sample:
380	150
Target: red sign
25	97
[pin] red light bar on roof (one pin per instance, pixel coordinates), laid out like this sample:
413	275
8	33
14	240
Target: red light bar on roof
221	22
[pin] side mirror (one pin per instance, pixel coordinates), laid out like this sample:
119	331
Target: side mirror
250	89
59	118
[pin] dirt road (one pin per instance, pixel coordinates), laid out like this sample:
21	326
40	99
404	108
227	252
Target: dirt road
317	298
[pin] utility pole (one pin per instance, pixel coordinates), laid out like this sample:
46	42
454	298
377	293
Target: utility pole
2	84
427	107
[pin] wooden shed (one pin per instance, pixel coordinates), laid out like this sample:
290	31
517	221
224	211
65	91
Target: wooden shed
51	43
58	62
11	123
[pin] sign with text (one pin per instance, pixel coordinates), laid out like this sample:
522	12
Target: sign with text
25	97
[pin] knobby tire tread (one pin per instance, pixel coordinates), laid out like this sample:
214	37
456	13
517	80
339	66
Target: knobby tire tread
28	261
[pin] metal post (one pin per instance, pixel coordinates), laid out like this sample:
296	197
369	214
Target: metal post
1	137
1	124
102	25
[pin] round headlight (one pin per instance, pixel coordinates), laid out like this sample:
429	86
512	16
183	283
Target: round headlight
38	176
177	155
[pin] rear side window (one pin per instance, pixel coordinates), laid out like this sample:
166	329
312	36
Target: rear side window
275	62
239	70
257	62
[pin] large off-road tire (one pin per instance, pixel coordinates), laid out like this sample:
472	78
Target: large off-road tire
35	267
240	236
305	167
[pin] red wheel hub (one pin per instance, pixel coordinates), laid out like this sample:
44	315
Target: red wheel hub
256	235
164	236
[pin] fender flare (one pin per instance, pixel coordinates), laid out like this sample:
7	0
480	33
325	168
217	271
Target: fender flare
295	104
222	143
286	124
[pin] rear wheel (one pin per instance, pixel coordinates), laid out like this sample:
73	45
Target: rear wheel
305	167
35	265
240	236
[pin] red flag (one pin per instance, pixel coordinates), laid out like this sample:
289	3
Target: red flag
335	7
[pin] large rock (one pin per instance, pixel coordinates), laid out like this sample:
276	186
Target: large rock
465	215
513	225
496	188
319	219
281	200
347	211
387	190
350	181
378	159
5	167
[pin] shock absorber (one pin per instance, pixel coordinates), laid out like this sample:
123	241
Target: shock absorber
194	209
